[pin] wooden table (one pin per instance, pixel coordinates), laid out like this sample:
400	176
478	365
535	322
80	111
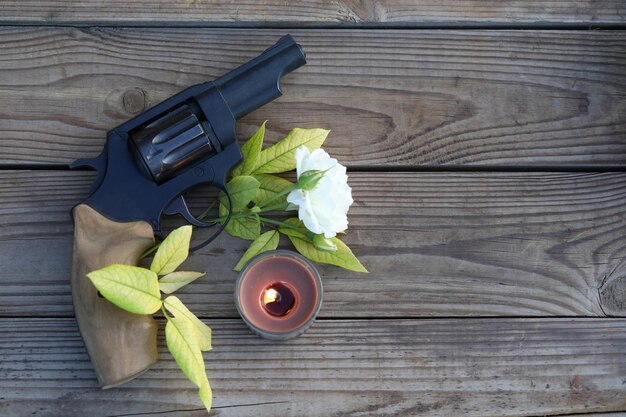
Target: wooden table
486	143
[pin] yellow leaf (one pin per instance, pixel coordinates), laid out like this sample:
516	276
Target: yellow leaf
175	280
131	288
250	152
178	309
172	252
182	342
342	257
267	241
280	157
206	395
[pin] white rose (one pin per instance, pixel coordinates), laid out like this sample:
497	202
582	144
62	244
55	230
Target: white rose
323	209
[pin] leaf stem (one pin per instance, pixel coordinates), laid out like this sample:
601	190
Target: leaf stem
280	207
279	223
233	217
247	213
164	312
306	233
279	195
275	222
150	250
208	209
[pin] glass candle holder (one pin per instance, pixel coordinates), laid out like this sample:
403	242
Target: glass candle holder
278	294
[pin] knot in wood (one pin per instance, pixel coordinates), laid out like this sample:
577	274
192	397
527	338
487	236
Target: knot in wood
134	100
613	296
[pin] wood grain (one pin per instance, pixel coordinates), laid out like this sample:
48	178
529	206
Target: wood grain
318	12
469	367
614	414
392	98
437	244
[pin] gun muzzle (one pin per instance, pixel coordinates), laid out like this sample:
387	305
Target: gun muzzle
257	82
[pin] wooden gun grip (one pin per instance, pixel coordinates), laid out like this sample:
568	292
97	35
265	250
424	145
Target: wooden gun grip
121	345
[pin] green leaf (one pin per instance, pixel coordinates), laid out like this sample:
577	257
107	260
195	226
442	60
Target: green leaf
178	309
172	252
324	244
182	341
269	186
267	241
342	257
250	152
241	190
131	288
175	280
248	228
280	156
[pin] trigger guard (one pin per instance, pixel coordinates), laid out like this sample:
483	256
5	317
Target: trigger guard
222	187
179	206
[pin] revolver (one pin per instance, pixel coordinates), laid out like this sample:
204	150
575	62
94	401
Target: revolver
145	167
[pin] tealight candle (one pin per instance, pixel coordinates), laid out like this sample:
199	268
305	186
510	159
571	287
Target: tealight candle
278	294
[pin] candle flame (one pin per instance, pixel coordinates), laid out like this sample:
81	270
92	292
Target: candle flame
270	296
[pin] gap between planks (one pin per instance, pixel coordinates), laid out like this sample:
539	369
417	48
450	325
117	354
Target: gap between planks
396	98
465	244
470	26
391	168
335	14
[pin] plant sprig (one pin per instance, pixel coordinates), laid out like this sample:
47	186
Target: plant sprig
138	290
255	189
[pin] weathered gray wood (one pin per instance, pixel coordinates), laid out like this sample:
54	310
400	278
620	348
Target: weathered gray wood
615	414
392	98
469	367
441	244
320	12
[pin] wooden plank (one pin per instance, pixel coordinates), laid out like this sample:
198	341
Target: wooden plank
324	13
392	98
437	244
616	414
468	367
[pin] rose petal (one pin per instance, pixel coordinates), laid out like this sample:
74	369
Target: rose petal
324	208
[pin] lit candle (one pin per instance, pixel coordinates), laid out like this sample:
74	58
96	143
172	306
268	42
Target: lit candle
278	294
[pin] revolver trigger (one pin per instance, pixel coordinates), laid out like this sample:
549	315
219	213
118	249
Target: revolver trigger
179	206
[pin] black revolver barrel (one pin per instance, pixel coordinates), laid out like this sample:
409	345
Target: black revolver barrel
257	82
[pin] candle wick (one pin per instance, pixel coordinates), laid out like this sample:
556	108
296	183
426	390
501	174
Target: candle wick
278	299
